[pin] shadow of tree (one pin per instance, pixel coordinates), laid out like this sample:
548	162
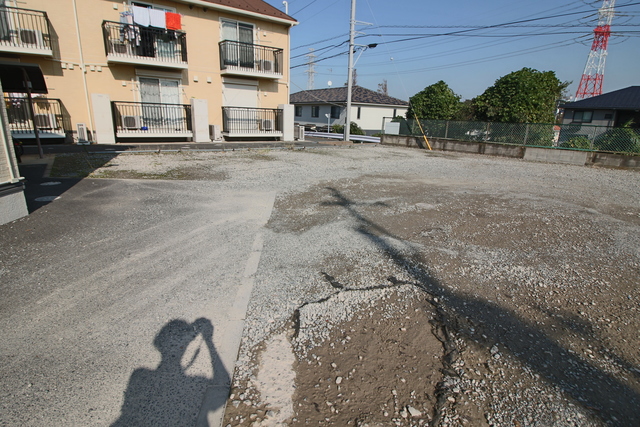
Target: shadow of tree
611	400
167	396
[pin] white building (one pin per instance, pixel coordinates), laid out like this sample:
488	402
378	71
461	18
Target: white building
322	107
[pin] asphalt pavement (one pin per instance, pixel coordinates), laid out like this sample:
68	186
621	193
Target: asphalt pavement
107	288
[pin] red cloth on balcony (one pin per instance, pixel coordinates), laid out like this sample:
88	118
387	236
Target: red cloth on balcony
174	21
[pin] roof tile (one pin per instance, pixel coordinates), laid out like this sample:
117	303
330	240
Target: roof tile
359	95
622	99
257	6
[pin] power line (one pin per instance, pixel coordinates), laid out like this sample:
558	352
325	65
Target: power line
312	2
320	41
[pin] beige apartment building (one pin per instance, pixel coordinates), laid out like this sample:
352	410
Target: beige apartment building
161	70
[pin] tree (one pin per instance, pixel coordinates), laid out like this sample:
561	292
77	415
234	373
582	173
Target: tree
524	96
466	112
383	88
436	102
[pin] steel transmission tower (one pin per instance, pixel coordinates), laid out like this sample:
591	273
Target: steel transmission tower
593	75
311	72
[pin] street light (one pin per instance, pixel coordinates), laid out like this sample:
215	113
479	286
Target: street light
328	116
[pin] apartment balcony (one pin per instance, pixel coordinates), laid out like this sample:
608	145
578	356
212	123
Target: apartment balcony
25	31
241	122
151	120
138	45
49	115
250	60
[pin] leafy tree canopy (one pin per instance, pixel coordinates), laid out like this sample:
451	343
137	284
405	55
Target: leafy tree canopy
524	96
435	102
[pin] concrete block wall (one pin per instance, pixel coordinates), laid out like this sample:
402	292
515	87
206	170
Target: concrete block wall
534	154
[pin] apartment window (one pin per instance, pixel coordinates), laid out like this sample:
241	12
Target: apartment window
298	110
335	112
164	91
315	111
582	116
359	109
237	31
153	6
395	113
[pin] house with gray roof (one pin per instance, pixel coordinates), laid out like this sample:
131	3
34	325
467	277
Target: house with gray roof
611	109
322	107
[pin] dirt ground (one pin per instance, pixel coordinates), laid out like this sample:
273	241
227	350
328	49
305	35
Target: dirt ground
525	310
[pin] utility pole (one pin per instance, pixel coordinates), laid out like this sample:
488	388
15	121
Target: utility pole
352	32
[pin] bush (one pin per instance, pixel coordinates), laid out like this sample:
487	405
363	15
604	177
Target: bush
355	129
623	139
580	142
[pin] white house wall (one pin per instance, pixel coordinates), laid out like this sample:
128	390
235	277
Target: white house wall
370	116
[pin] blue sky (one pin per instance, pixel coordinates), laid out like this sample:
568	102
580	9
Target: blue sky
556	36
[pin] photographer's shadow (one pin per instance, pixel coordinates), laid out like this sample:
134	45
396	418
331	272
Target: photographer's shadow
167	396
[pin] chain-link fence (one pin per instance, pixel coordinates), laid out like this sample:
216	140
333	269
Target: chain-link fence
569	136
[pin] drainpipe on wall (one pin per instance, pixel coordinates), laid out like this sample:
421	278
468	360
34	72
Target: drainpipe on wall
83	68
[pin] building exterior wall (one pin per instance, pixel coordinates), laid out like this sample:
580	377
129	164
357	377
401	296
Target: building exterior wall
370	115
599	118
12	202
79	65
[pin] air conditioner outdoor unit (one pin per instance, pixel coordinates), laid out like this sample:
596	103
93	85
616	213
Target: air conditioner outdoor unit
214	133
266	65
267	125
33	37
45	121
83	138
300	133
119	48
131	122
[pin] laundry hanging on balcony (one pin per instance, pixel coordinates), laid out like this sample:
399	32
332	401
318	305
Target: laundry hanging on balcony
173	21
141	15
128	31
157	18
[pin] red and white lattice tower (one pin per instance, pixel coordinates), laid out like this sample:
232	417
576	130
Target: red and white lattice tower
593	75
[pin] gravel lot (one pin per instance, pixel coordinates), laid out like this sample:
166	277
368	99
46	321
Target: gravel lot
407	287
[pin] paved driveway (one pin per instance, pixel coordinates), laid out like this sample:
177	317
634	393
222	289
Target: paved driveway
107	289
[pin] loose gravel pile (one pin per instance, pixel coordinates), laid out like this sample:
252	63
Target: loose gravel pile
406	287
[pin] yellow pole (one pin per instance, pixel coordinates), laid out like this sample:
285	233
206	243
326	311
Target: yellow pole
422	130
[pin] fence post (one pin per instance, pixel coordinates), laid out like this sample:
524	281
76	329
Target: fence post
526	134
446	129
593	137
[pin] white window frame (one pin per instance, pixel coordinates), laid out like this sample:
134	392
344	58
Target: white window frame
160	80
253	26
160	75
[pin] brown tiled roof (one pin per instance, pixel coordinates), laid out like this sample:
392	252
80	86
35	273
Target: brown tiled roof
256	6
338	95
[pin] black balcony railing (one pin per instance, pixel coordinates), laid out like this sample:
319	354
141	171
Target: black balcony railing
251	121
249	57
135	41
148	117
49	115
24	29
